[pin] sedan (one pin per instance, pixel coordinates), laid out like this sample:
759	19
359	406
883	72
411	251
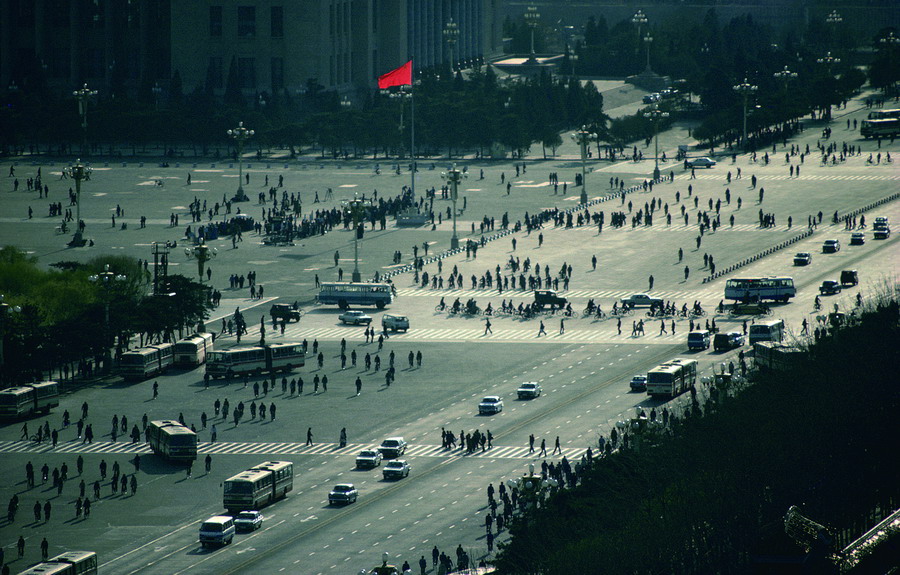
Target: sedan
857	239
529	390
248	521
802	259
343	493
368	458
700	163
355	317
490	404
830	287
831	246
639	383
396	469
392	447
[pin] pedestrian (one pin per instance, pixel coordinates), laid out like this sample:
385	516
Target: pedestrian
155	389
619	326
45	549
208	462
531	443
543	447
542	330
20	544
190	467
556	446
487	330
562	326
309	436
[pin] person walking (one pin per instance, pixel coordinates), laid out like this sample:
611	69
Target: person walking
45	549
208	462
562	326
542	330
531	443
543	447
487	330
309	436
358	386
556	446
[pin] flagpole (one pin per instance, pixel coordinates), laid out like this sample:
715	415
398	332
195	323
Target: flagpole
412	137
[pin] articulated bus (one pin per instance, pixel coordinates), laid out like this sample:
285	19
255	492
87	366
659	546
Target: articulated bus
28	399
171	440
192	350
70	563
672	378
749	290
258	486
147	361
345	294
256	360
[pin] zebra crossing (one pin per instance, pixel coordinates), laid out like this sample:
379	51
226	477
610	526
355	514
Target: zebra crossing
275	449
674	295
804	178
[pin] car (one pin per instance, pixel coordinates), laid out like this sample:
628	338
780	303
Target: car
651	98
394	322
248	521
831	246
549	297
368	458
699	163
396	469
849	278
728	340
639	383
490	404
283	311
857	239
669	93
641	300
529	390
392	447
830	287
342	494
882	233
355	317
802	259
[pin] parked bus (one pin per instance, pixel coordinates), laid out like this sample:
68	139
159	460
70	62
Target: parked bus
28	399
770	355
147	361
672	378
748	290
256	360
258	486
70	563
192	350
772	330
884	127
171	440
345	294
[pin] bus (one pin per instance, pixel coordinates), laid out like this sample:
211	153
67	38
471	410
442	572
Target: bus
28	399
884	114
147	361
191	351
258	486
345	294
171	440
772	330
880	128
757	289
255	360
672	378
69	563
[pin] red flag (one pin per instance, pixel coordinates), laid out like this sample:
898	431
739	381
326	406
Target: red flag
402	76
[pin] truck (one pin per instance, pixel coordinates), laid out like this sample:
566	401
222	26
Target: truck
641	300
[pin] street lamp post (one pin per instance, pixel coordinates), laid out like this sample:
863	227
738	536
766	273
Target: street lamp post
532	488
78	172
106	279
648	39
453	176
583	137
639	19
828	60
356	207
157	91
655	115
834	19
82	96
240	135
890	43
532	17
5	311
203	254
451	36
745	89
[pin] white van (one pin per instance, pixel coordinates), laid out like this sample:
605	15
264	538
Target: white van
698	339
767	331
218	530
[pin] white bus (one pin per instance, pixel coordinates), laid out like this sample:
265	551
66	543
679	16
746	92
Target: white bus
192	350
345	294
255	360
750	290
672	378
884	114
147	361
772	330
28	399
70	563
171	440
882	127
258	486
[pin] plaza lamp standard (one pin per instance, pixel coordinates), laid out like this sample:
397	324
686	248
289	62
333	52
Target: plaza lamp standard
5	311
745	89
655	115
240	135
83	96
453	177
106	280
532	17
78	172
583	137
356	208
532	488
639	19
451	36
203	254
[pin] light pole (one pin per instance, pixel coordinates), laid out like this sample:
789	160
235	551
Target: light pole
240	135
745	89
655	115
203	254
356	207
648	39
157	91
402	95
532	17
82	96
583	137
532	488
639	19
5	311
78	172
785	76
451	36
106	279
828	60
834	19
453	177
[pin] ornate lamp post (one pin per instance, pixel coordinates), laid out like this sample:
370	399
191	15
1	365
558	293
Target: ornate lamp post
453	177
532	17
202	253
82	96
890	43
106	279
157	92
451	36
357	208
648	39
785	76
828	60
5	311
834	19
402	95
583	138
745	89
78	172
639	19
240	135
655	115
532	488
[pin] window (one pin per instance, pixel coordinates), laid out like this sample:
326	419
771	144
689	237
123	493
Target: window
214	74
247	73
246	21
215	21
277	22
277	74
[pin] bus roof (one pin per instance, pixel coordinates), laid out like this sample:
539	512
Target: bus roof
346	284
250	475
272	465
171	427
74	556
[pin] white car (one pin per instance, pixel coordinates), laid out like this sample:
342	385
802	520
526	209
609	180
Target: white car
248	521
343	494
529	390
699	163
396	469
355	317
490	404
368	458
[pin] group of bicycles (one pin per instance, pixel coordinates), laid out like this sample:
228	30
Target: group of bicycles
670	310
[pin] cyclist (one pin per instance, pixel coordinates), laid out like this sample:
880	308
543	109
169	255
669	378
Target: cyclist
817	303
442	306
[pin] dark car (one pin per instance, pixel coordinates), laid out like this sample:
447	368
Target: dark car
283	311
729	340
549	297
830	287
